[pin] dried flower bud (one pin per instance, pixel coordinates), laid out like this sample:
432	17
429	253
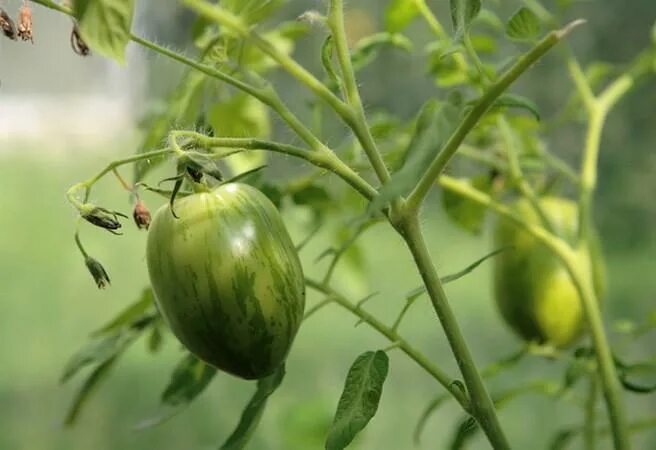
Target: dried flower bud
7	25
98	272
141	215
102	217
77	43
25	23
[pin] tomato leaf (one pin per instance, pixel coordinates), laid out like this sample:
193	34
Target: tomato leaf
327	50
462	14
252	414
399	14
517	101
182	111
466	213
360	398
524	25
105	25
189	379
84	393
465	431
98	351
434	125
129	315
367	49
415	293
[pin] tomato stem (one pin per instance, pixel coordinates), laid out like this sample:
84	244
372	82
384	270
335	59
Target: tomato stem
481	404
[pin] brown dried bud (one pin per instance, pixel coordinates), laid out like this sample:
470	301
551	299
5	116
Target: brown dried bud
77	43
7	25
98	272
141	215
25	23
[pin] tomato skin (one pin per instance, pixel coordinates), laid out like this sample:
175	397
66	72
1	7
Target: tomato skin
532	288
227	279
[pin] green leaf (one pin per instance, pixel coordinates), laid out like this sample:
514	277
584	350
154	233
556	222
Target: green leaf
359	400
462	14
182	110
252	414
466	430
367	49
313	195
90	385
189	379
240	116
435	123
473	266
133	313
415	293
399	14
524	25
466	213
517	101
97	351
252	11
327	50
105	25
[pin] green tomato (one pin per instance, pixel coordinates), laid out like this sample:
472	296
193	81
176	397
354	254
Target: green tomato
227	279
532	288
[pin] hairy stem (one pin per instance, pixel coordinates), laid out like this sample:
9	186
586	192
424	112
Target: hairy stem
359	122
323	159
227	19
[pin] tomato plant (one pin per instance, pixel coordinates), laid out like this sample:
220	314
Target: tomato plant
224	272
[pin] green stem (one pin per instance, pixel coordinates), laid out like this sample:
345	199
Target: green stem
359	121
438	30
590	424
393	336
482	407
582	281
86	185
227	19
493	92
323	159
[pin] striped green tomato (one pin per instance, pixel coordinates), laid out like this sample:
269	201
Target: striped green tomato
227	278
533	290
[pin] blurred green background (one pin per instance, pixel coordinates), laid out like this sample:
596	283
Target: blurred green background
62	118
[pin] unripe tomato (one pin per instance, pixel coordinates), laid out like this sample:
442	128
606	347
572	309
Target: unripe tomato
533	290
227	278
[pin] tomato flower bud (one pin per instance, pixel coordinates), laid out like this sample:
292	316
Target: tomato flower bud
77	43
141	215
7	25
102	217
25	23
98	272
